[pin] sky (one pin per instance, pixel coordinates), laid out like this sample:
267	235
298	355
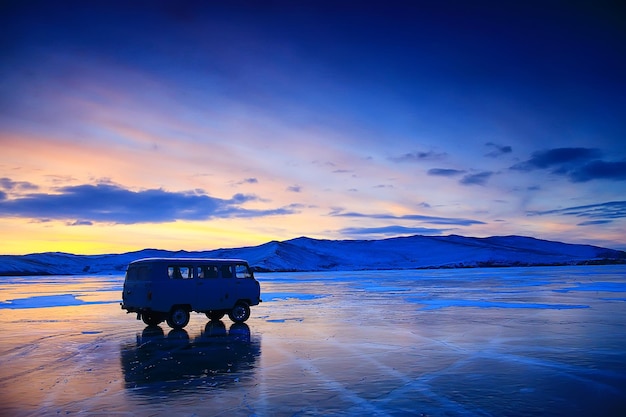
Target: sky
187	125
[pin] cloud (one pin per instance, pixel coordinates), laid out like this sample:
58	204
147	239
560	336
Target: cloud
249	181
81	223
577	164
391	230
294	188
594	222
238	198
413	217
476	179
497	150
109	203
418	156
325	164
599	170
8	184
597	213
479	178
558	158
442	172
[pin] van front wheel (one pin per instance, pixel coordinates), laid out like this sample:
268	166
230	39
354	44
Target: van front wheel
239	313
178	318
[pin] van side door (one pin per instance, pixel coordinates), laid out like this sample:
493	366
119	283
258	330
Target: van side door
226	288
209	288
181	285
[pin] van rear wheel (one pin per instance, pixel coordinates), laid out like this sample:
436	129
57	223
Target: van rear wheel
239	313
178	318
151	319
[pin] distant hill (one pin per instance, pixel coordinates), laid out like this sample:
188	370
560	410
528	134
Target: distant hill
306	254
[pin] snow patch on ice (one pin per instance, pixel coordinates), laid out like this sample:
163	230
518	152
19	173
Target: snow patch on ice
43	301
284	320
276	296
597	286
438	304
384	288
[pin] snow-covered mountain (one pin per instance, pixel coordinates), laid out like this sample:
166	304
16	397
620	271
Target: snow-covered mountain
306	254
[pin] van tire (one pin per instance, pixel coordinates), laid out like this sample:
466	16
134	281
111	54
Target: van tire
215	315
239	313
178	318
151	319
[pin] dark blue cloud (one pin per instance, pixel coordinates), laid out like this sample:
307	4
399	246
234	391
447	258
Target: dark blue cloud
108	203
8	184
443	172
557	158
597	213
594	222
412	217
577	164
596	170
497	150
480	178
391	231
236	199
418	156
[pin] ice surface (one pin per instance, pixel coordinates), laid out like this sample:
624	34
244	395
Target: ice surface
465	342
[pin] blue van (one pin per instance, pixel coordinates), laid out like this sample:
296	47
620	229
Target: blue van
168	289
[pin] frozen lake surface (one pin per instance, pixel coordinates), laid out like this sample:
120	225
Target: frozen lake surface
471	342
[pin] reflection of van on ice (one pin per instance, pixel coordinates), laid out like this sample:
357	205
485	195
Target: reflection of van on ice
159	289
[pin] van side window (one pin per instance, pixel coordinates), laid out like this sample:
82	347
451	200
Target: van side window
208	271
227	271
179	272
242	271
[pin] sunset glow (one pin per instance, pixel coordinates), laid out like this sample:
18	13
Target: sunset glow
202	126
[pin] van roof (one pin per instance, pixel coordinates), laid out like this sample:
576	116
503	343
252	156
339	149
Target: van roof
194	260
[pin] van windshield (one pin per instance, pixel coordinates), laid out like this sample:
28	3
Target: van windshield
242	271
